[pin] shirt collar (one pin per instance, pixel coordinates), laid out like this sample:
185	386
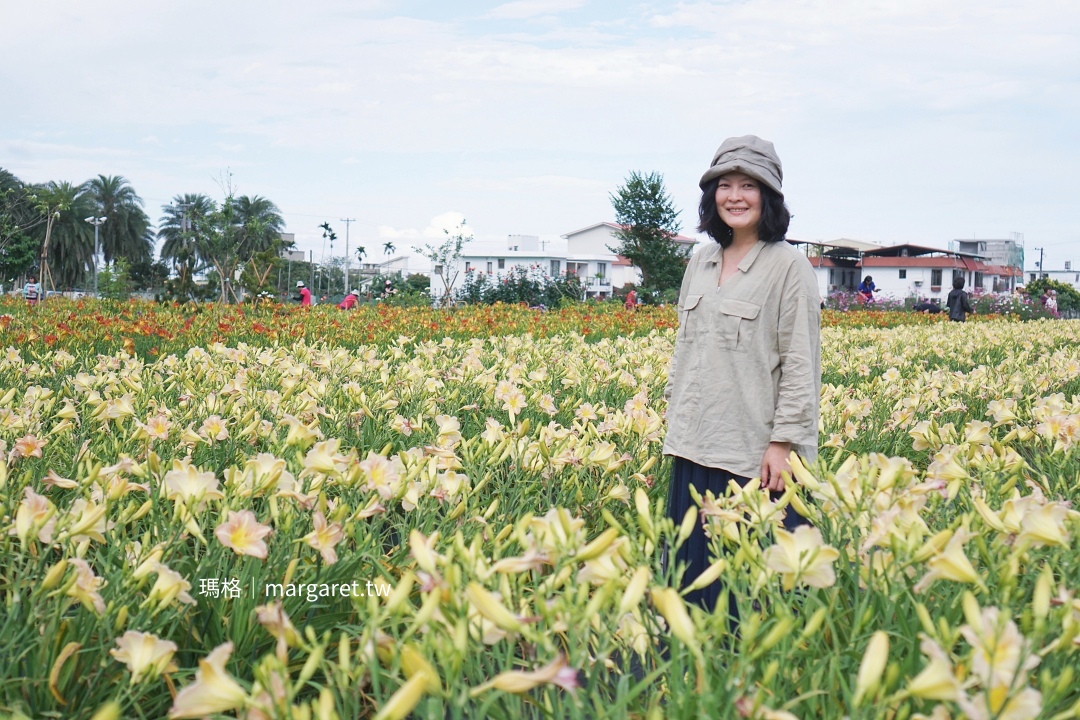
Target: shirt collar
751	256
712	254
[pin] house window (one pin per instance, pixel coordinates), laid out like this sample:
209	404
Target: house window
556	268
502	263
438	269
935	278
1031	277
468	266
601	269
978	279
903	274
489	267
957	274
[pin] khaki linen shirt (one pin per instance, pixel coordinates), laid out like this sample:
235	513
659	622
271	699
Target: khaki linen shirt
746	370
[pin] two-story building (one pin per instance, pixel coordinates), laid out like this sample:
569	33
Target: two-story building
586	255
907	270
1069	276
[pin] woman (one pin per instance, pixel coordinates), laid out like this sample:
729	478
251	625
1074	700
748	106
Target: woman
745	379
867	288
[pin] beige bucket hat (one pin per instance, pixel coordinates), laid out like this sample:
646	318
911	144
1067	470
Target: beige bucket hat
748	154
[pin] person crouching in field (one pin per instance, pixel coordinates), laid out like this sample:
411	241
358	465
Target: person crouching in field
745	378
350	300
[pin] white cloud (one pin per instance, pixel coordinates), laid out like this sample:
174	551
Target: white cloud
525	9
448	223
438	228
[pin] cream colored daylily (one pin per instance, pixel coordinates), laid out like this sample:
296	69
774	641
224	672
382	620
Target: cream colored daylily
145	654
951	564
936	681
557	672
214	690
325	537
243	534
802	557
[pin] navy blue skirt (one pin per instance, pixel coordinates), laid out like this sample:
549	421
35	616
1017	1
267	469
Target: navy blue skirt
694	554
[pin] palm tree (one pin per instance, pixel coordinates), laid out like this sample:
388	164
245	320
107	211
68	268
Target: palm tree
126	232
261	223
71	244
177	229
388	248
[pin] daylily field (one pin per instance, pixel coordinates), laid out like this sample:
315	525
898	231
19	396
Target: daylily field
273	513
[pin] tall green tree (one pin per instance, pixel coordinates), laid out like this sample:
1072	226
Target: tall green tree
260	224
176	230
21	211
126	232
649	224
70	253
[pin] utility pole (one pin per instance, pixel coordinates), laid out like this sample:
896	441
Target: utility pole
347	221
1040	263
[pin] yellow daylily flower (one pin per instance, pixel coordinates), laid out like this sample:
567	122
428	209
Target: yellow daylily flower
145	654
243	533
214	690
802	557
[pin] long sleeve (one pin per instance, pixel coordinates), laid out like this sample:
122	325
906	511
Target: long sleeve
799	337
690	266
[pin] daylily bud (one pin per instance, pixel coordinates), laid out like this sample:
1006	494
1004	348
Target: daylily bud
413	663
488	606
673	609
689	520
402	702
707	577
872	666
1040	604
597	547
635	590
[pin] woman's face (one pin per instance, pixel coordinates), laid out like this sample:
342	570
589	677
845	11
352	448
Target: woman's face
738	200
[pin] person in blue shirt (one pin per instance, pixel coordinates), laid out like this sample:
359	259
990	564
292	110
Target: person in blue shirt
867	288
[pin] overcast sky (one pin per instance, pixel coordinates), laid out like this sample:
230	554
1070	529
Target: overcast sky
897	121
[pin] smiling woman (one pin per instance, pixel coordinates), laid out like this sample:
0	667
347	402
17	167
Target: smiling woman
745	377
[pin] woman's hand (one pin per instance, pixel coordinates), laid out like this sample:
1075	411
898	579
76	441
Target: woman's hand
773	464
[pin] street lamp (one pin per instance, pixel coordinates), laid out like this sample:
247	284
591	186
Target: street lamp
96	222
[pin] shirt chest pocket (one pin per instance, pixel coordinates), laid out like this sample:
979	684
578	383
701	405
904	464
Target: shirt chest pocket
737	323
689	322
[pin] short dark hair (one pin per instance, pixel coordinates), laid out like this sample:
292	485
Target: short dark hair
772	227
958	282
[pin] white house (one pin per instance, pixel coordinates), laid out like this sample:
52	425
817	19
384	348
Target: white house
905	270
1067	276
586	256
836	263
919	271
